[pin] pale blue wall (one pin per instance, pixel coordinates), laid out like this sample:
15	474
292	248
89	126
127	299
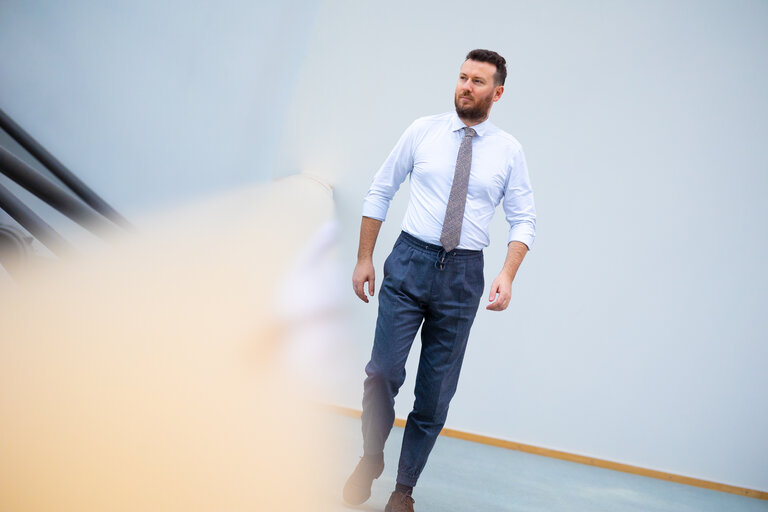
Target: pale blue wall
637	330
152	103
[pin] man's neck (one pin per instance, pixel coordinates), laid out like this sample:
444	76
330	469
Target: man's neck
474	122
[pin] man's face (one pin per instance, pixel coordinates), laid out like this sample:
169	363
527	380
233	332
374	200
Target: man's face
476	91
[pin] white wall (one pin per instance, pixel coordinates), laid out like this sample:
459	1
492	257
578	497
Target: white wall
637	330
153	103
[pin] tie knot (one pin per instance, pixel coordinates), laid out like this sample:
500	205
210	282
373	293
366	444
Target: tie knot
469	132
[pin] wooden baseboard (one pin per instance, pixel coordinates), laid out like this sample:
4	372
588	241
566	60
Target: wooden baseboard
581	459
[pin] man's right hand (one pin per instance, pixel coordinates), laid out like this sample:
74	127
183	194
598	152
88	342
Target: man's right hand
363	273
369	231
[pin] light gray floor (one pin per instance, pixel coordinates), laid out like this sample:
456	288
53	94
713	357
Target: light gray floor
471	477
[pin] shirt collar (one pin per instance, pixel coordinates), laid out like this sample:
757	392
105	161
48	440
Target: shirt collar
481	129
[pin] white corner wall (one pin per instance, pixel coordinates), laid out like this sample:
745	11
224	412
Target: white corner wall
637	331
154	103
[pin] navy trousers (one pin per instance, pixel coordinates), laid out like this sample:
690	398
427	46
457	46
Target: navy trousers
440	292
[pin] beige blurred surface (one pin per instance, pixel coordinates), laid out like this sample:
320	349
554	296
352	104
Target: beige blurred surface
145	377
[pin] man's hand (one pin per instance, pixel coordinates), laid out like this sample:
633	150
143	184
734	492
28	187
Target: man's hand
369	231
501	288
363	273
501	293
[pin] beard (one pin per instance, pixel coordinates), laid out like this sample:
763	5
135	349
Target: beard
477	111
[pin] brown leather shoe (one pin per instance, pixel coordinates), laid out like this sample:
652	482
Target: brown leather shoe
399	502
357	490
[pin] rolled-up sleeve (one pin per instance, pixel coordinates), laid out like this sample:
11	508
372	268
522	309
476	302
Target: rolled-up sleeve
518	203
390	176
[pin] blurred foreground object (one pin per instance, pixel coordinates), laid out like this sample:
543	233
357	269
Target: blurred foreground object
145	378
15	248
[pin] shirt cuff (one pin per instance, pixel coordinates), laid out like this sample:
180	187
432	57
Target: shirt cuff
522	232
374	211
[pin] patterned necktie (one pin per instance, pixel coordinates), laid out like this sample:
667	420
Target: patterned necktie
454	213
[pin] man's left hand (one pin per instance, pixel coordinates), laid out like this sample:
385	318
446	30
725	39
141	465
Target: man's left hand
501	293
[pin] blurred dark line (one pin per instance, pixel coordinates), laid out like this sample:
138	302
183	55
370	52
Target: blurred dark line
52	194
30	221
61	172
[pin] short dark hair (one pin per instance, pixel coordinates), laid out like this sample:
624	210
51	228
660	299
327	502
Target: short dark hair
494	58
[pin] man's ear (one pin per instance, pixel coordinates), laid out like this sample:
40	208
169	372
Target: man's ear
498	92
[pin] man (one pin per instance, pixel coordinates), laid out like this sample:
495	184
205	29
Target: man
461	166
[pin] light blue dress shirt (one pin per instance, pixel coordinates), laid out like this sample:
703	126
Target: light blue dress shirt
427	152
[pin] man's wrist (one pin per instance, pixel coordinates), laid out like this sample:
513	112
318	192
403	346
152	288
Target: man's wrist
507	276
